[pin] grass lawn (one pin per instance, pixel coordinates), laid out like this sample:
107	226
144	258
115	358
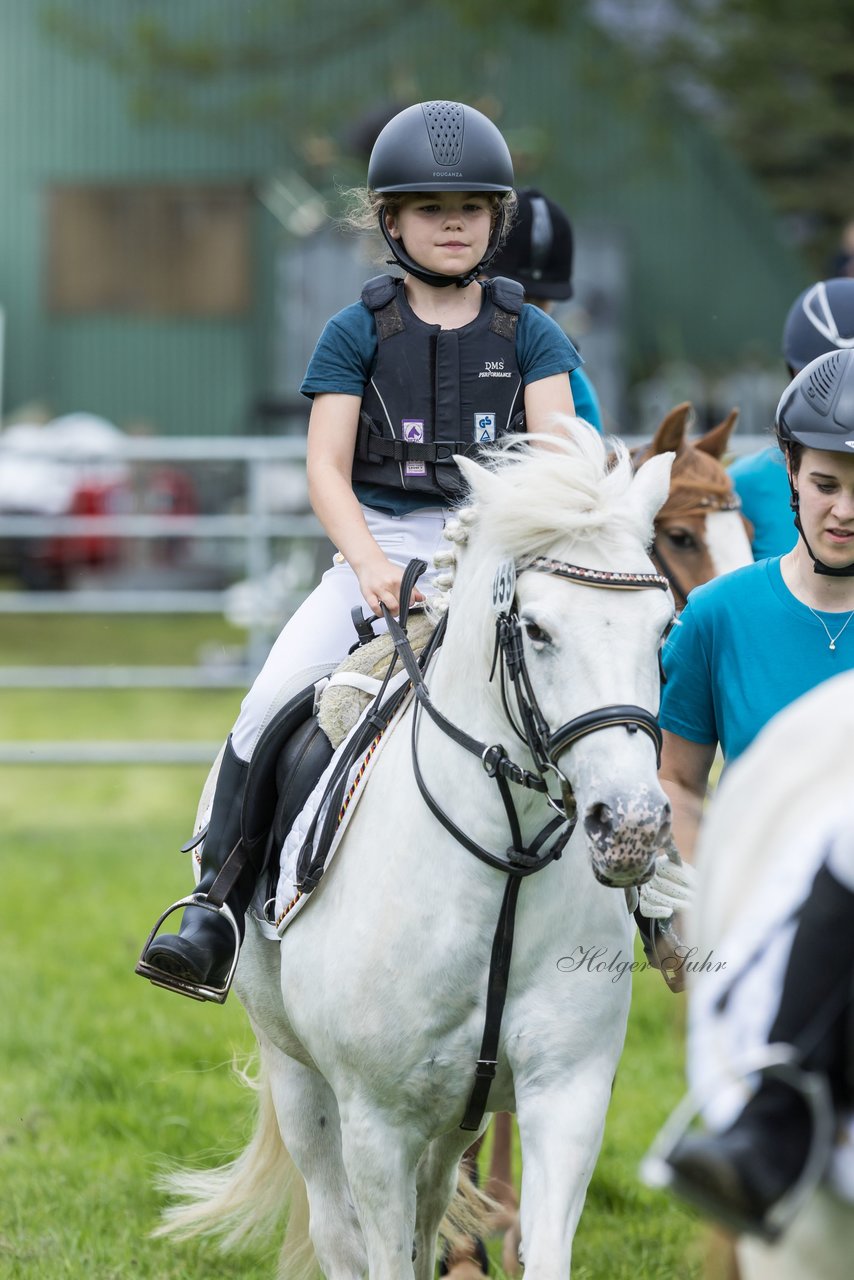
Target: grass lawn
102	1076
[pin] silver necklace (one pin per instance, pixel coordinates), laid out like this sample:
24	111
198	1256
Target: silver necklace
831	638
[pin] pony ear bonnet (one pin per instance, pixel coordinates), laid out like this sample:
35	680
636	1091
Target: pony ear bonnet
650	487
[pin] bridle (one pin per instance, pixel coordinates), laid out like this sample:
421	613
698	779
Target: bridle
528	721
545	746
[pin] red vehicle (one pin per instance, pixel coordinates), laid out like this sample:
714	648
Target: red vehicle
73	467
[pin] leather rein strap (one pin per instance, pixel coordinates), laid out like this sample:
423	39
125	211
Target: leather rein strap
545	747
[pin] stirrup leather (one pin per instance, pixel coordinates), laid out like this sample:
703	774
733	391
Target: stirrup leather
171	982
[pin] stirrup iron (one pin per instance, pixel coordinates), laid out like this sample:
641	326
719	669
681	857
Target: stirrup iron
183	986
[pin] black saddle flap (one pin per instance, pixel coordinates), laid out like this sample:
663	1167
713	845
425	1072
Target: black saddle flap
305	758
301	762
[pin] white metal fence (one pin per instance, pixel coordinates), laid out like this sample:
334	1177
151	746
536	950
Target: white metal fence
256	528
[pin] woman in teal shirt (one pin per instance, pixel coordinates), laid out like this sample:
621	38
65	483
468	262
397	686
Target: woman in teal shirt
751	642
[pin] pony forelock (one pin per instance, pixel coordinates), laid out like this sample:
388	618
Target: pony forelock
547	488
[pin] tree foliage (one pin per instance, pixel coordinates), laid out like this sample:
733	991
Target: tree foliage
227	68
776	79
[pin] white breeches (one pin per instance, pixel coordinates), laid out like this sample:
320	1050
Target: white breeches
321	631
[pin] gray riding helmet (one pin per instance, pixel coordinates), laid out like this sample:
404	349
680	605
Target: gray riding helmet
440	146
820	319
817	408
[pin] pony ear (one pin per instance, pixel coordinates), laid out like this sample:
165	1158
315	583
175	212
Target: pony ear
650	487
714	442
671	434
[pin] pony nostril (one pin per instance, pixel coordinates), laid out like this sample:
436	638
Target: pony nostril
599	823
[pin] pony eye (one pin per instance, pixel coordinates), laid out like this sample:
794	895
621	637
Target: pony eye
536	634
682	539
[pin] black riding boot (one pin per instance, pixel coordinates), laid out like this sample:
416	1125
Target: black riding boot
197	960
739	1175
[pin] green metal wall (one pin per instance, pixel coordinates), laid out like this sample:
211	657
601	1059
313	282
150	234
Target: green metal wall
710	279
64	119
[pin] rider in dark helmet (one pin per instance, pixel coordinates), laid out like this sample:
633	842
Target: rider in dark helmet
405	379
538	249
440	146
537	253
741	1175
816	411
821	319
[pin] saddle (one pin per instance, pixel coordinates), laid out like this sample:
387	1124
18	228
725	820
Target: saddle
300	740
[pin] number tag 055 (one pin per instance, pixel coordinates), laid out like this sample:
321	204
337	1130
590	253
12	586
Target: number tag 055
504	587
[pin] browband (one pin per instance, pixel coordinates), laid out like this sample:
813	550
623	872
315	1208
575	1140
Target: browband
597	577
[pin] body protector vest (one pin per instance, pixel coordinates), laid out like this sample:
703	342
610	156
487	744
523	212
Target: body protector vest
437	392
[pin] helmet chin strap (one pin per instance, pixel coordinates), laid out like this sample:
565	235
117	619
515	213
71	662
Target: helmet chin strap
818	566
411	267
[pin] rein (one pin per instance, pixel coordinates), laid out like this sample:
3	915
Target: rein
545	747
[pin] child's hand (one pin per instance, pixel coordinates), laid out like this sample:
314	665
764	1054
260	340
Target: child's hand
379	582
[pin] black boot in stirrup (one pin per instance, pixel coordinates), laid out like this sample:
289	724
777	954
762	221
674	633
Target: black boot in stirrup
740	1175
199	960
754	1174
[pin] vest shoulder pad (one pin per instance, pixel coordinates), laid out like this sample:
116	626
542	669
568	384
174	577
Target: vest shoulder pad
379	291
507	294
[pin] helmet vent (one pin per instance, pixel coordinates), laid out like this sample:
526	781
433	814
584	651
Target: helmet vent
445	129
822	382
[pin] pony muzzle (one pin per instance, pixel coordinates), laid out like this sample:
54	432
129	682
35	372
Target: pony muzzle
625	841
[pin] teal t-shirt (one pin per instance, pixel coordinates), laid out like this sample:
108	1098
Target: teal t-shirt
744	648
761	483
345	356
585	399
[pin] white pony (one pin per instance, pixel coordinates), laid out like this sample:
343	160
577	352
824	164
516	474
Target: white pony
762	842
369	1013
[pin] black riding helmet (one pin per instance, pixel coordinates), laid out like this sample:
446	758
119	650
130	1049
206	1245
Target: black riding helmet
538	249
817	411
440	146
820	319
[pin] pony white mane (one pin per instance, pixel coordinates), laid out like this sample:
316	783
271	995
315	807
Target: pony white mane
536	491
550	487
